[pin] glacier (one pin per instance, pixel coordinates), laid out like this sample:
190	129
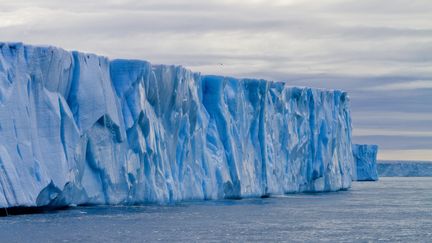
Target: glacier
78	128
405	168
365	157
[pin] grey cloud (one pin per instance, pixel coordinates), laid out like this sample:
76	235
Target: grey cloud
382	6
417	84
350	45
396	142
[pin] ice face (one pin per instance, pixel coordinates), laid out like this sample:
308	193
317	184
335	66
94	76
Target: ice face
365	156
391	168
78	128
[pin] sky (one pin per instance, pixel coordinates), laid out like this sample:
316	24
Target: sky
380	51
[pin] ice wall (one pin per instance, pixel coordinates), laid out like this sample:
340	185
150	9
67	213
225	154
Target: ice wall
78	128
406	168
365	156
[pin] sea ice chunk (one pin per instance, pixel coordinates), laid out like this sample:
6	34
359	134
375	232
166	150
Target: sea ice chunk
365	158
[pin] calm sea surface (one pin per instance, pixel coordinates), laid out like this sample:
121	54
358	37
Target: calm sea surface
393	209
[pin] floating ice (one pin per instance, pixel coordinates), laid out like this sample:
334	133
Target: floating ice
390	168
365	159
78	128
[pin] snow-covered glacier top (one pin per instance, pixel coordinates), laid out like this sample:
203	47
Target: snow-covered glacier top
79	128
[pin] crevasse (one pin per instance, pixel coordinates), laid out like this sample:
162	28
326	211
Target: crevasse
79	128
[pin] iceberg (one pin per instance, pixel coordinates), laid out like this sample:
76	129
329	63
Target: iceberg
405	168
365	157
78	128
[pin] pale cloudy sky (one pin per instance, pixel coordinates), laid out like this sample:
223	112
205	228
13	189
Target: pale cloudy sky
380	51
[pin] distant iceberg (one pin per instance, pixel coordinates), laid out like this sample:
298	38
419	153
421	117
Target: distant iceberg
405	168
365	157
78	128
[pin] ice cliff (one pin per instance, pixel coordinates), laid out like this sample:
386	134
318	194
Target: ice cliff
390	168
79	128
365	157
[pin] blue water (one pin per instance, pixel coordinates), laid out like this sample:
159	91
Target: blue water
393	209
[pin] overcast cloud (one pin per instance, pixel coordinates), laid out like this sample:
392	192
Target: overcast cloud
379	51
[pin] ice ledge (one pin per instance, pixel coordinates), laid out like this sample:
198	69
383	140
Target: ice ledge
79	128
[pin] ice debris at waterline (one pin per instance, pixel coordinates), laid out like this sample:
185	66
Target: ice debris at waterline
365	157
79	128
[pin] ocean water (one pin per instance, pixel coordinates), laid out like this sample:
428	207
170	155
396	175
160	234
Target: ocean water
390	210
